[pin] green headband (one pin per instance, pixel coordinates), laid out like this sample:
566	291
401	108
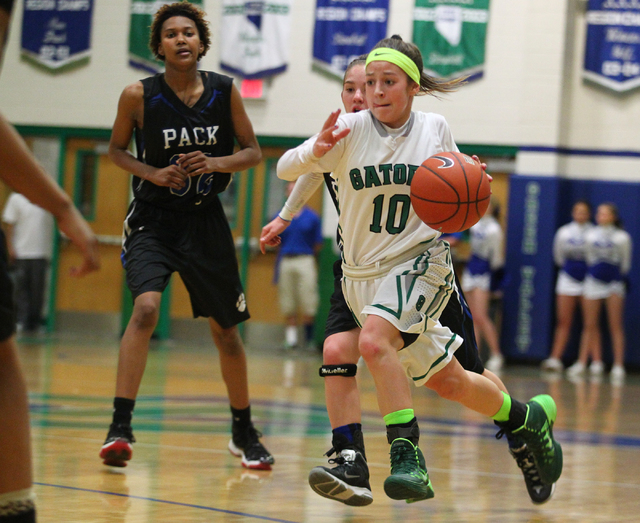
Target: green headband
386	54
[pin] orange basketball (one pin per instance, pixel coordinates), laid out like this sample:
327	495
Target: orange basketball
450	192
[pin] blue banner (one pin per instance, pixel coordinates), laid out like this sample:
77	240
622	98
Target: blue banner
612	56
56	33
345	29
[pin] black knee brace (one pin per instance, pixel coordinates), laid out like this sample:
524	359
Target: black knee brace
346	370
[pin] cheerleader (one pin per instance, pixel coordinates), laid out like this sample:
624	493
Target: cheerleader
608	257
569	256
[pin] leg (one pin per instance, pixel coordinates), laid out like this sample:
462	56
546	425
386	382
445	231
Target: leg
245	441
132	360
348	482
565	309
615	313
590	336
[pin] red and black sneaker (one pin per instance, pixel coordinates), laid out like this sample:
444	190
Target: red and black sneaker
117	450
245	443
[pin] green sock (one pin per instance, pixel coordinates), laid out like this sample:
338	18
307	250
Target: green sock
399	417
503	414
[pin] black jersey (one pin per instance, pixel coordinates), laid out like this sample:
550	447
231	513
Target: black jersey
172	128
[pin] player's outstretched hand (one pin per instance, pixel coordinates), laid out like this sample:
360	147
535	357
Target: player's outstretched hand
195	163
74	226
172	176
270	233
327	137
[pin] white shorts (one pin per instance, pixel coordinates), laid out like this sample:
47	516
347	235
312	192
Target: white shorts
569	286
599	290
411	298
475	281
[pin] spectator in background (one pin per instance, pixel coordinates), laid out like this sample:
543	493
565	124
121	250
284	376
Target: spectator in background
29	233
485	266
608	256
569	247
297	273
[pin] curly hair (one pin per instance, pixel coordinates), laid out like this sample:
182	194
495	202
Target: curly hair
182	8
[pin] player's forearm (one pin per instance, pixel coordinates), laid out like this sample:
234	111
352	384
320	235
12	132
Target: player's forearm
298	161
304	188
239	161
129	163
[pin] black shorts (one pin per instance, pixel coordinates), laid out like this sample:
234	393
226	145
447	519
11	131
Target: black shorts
7	305
198	245
340	318
457	316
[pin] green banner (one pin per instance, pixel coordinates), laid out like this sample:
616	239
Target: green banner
142	12
451	35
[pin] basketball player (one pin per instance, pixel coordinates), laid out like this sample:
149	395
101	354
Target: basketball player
486	260
398	275
185	122
608	257
20	171
569	256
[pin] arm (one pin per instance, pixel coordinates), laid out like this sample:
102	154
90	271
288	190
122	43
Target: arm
305	186
558	254
625	265
248	156
308	157
23	174
129	116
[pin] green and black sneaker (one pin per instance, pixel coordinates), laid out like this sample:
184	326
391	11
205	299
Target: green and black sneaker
409	479
537	433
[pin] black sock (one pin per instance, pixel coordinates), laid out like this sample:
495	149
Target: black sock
241	417
517	416
409	430
123	410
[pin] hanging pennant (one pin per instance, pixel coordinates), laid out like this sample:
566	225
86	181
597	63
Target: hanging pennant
254	37
142	13
56	33
345	29
612	54
451	36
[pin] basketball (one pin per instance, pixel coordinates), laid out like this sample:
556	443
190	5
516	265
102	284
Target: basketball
450	192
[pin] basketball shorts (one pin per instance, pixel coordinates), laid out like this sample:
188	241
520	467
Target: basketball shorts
568	286
340	318
7	306
600	290
412	297
476	281
198	245
298	285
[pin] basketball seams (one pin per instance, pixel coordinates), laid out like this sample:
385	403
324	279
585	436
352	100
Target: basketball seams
466	183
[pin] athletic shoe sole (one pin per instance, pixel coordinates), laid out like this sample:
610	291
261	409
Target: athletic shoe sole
116	453
410	491
254	465
331	487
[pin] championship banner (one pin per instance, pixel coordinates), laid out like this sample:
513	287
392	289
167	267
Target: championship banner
56	33
254	37
612	56
142	12
345	29
451	36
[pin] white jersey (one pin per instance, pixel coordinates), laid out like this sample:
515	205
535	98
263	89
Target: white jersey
373	167
569	244
486	245
608	253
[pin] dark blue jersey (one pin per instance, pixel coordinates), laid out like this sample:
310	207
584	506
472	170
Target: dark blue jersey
171	128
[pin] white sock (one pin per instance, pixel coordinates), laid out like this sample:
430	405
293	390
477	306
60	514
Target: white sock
291	335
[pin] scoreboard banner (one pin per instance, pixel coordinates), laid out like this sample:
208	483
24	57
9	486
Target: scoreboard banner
345	29
612	54
254	37
142	13
451	36
56	33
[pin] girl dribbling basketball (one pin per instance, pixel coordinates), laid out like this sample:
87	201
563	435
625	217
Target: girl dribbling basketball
398	274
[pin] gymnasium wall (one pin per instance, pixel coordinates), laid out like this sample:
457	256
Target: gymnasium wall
531	94
528	303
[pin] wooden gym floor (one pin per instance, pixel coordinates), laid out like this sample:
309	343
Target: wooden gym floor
182	472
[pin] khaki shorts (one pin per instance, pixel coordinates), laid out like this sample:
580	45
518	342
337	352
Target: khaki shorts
298	285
